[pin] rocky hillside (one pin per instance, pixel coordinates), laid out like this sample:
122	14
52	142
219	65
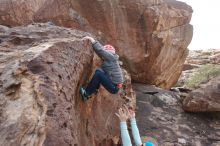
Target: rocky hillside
199	67
200	81
151	36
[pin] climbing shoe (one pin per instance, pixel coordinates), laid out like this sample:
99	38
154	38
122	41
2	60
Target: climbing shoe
83	94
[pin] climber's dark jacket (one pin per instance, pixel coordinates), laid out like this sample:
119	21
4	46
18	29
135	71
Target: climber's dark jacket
110	64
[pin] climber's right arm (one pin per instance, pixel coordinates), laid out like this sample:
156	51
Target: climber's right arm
98	48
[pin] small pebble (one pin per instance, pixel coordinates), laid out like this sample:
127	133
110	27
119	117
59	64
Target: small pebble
181	140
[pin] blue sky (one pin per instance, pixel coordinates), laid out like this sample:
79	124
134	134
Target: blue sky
206	23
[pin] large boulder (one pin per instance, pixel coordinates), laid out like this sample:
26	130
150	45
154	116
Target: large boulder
41	68
205	98
151	36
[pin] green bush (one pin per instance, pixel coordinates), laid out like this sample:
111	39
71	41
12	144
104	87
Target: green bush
203	74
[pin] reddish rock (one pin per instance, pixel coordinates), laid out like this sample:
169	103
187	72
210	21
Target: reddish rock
18	12
41	69
205	98
189	67
151	36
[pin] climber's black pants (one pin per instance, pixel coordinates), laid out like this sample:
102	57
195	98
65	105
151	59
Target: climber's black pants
100	78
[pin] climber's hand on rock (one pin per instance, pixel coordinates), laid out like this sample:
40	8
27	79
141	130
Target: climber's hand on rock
92	40
122	115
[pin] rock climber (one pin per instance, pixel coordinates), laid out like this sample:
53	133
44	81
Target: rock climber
124	114
109	75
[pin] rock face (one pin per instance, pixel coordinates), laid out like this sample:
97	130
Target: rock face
41	69
151	36
205	98
161	120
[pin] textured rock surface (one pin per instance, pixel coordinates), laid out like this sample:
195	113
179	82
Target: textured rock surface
162	120
150	35
17	12
205	98
41	69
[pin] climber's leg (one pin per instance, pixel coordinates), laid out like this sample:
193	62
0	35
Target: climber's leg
100	78
92	87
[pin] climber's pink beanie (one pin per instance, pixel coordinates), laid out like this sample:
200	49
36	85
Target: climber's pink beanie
109	48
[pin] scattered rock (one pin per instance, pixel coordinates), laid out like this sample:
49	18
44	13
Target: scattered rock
200	57
199	68
189	67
